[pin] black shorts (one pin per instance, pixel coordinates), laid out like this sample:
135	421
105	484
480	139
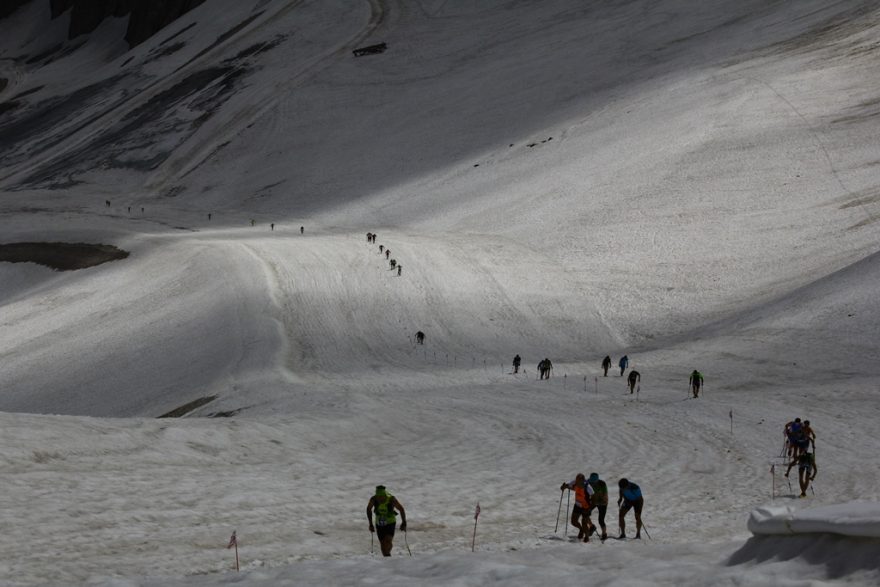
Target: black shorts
637	505
386	531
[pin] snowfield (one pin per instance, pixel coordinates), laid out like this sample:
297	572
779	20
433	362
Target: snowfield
694	184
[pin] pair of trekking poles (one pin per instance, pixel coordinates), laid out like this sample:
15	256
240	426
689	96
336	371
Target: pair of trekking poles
568	503
405	541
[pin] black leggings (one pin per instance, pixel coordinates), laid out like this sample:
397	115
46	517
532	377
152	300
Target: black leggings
602	509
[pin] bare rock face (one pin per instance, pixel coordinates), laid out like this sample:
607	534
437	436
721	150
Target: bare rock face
147	16
7	7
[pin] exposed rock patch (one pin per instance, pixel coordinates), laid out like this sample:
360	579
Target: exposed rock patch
61	256
147	18
189	407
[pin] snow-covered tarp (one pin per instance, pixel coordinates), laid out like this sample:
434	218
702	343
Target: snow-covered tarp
856	518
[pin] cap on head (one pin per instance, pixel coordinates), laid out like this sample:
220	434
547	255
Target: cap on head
623	482
594	477
797	419
380	490
807	422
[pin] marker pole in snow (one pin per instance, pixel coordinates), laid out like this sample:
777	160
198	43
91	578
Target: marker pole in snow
731	422
476	517
596	379
233	542
559	511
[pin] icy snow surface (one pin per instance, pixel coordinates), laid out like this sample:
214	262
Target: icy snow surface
692	183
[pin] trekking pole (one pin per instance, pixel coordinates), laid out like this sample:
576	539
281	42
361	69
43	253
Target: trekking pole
406	543
773	480
372	552
559	511
645	528
567	503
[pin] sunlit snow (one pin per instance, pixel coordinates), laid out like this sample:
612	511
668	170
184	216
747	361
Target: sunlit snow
692	183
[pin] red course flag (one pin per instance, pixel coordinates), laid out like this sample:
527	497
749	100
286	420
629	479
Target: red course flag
477	511
233	541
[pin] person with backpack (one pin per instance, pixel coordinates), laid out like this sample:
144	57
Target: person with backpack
631	498
634	378
623	364
544	367
517	360
383	504
579	517
807	469
788	448
795	436
598	493
420	337
606	364
696	382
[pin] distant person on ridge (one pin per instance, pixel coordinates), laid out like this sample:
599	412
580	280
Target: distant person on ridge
516	363
634	378
387	253
696	381
420	337
399	270
606	364
631	496
384	504
623	364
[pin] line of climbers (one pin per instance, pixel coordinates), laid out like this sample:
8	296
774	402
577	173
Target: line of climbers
371	238
799	438
592	494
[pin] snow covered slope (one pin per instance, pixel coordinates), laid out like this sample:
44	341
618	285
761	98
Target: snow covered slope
691	183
